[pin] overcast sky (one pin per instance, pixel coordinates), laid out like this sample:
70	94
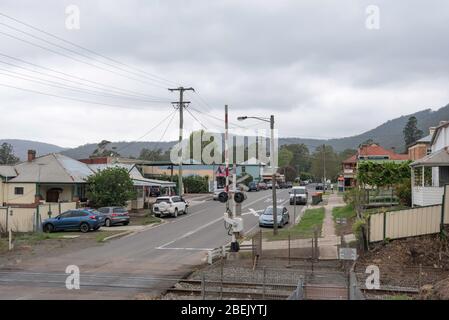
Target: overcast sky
314	64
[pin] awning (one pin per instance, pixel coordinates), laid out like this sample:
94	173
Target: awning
153	183
439	158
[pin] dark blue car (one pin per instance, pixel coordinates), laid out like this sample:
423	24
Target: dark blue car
79	219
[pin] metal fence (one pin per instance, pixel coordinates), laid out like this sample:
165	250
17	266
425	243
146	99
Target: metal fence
227	279
405	223
290	248
20	219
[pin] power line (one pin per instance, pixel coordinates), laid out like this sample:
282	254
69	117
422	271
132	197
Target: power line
196	119
146	133
114	88
67	87
216	118
73	51
86	49
78	60
67	98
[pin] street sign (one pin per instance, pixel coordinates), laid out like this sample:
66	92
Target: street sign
348	254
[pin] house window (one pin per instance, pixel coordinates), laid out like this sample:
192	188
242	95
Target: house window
18	190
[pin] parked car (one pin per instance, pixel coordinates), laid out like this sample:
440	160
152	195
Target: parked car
262	186
170	206
298	195
283	185
289	185
266	218
77	219
253	186
220	190
269	185
114	215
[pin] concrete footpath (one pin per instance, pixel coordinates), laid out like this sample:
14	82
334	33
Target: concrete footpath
328	242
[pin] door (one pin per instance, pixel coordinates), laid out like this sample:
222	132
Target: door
63	220
53	195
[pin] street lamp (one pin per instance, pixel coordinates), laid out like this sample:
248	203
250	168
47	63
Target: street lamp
273	173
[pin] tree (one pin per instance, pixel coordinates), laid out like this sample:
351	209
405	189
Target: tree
103	151
7	156
110	187
154	155
411	131
285	157
325	160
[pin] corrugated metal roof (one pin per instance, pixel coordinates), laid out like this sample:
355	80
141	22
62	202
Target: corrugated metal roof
7	171
435	159
52	168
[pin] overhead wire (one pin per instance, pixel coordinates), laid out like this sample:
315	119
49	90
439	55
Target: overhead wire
86	49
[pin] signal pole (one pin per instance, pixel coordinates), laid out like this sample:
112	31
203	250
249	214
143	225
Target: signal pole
181	124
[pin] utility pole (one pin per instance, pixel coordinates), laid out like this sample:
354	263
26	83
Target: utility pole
324	168
273	177
181	124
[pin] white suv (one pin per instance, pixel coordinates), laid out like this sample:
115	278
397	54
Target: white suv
169	206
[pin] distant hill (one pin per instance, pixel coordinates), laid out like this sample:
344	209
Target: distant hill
388	134
21	147
125	149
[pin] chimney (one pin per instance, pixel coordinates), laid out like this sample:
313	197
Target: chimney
31	155
432	130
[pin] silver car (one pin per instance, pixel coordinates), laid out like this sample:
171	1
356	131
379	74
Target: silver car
266	218
114	215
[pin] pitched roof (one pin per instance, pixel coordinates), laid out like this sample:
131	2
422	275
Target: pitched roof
351	159
7	171
52	168
376	150
435	159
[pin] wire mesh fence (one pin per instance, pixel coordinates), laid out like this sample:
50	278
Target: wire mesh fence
225	279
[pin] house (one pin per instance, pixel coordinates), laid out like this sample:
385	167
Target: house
50	178
142	185
367	152
55	178
431	172
421	148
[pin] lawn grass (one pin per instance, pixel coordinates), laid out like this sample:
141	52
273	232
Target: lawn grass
104	234
149	219
346	211
32	238
304	229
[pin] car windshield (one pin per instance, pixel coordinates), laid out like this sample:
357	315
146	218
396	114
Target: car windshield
269	211
159	200
298	191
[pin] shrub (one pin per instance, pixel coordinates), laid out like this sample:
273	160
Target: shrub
404	192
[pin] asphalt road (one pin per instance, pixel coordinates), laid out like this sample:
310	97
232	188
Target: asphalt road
142	265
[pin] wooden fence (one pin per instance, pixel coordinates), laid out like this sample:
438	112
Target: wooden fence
26	219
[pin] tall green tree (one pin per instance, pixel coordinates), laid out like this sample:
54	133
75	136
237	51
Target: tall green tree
154	155
102	150
411	131
7	156
325	161
110	187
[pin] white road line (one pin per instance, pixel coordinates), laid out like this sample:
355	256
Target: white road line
164	246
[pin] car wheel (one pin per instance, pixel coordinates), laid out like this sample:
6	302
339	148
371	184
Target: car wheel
84	227
186	210
107	222
48	228
175	214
